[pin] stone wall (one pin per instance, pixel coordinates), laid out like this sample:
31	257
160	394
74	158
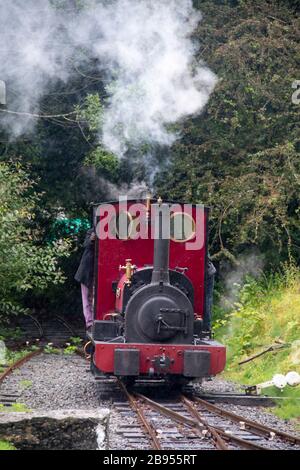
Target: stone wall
55	430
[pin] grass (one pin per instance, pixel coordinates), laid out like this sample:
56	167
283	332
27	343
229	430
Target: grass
15	407
26	383
12	356
268	311
4	445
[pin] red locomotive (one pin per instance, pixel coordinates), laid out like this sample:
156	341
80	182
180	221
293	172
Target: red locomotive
149	292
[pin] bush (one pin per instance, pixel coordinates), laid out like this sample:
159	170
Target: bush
25	264
268	311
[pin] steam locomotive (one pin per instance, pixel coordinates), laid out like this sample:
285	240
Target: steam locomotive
149	292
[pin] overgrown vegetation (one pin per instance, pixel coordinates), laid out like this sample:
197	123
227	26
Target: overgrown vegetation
241	156
267	312
26	264
4	445
14	408
12	356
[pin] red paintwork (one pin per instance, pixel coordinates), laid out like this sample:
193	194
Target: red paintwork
104	355
119	299
113	252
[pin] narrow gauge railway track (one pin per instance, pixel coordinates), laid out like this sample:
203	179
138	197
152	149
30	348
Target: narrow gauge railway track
19	363
8	399
192	423
176	422
251	426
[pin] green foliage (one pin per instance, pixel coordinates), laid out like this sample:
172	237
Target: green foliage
72	347
50	349
90	117
4	445
104	161
14	408
268	311
14	356
26	383
76	341
69	350
241	157
91	113
25	263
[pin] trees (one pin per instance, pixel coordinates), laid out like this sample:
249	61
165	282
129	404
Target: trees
25	263
241	157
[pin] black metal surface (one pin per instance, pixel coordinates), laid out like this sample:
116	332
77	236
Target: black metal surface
161	244
160	313
126	362
105	330
142	277
196	363
198	327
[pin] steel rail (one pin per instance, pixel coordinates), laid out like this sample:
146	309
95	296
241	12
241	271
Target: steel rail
181	419
252	426
218	440
148	427
241	442
19	363
169	413
219	434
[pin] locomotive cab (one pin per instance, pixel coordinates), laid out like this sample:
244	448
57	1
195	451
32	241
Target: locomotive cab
150	293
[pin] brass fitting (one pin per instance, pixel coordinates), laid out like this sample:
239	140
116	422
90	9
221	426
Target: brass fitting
129	269
148	207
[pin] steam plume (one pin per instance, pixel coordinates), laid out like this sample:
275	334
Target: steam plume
144	47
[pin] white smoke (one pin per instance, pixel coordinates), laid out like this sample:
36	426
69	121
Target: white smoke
31	56
144	47
250	264
147	48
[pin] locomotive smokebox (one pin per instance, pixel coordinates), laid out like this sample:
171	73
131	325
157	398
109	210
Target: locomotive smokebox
159	312
161	244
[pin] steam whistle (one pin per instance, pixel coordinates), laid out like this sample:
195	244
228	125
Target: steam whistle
148	208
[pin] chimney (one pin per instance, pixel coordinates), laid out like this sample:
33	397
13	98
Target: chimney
161	244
